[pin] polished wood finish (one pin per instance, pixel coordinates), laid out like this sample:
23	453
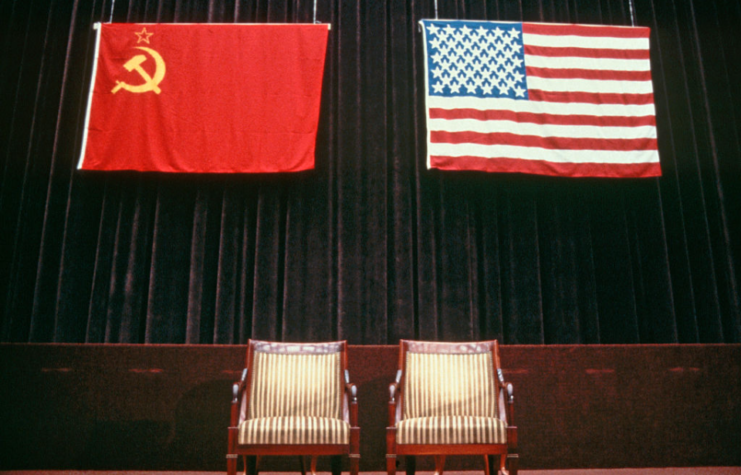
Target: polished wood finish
500	457
251	453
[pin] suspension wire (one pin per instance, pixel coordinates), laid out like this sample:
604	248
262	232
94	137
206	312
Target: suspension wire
436	18
110	17
314	11
632	8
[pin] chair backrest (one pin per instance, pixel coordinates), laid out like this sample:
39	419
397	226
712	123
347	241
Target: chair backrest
449	379
288	379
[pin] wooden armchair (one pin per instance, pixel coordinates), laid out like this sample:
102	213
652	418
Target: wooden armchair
294	399
451	399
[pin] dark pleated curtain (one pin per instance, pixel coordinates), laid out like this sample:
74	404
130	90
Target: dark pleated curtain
370	246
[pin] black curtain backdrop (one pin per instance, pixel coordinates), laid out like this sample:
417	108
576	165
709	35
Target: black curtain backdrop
370	246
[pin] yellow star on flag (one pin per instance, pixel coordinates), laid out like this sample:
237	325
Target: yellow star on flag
143	36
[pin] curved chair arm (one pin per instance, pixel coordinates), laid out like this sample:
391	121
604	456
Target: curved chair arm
238	390
507	412
239	387
394	393
351	398
352	392
511	404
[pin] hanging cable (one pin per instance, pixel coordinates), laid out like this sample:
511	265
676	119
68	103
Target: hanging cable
632	8
314	11
110	17
436	18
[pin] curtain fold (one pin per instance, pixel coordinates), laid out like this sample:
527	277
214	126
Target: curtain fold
370	246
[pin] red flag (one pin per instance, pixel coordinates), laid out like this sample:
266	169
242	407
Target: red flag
550	99
205	98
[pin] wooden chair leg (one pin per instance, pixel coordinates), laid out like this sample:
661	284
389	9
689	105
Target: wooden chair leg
231	464
391	450
486	465
410	461
439	464
513	462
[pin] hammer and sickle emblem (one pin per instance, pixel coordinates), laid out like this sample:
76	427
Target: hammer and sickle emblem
151	83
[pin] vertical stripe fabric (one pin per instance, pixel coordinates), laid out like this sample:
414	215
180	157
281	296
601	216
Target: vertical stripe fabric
295	399
452	430
449	385
296	385
294	430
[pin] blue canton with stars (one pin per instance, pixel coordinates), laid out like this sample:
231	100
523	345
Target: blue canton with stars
475	59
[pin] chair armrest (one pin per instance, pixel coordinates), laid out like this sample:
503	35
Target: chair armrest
394	406
351	397
352	393
238	390
506	402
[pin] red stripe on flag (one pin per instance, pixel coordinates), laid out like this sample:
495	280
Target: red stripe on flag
533	118
539	167
585	30
549	143
590	97
588	74
556	52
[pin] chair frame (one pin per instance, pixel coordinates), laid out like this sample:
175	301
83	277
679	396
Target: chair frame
506	453
240	409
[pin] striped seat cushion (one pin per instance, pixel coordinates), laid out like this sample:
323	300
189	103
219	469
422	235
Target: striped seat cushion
452	430
294	430
445	384
296	385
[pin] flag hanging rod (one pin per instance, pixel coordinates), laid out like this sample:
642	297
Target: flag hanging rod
96	25
113	6
632	7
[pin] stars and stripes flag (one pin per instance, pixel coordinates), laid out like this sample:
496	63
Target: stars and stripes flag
548	99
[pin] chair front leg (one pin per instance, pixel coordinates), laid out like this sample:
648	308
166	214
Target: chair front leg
391	450
354	450
231	464
513	462
354	464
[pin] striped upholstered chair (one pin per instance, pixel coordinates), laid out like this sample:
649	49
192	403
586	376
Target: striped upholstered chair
294	399
451	399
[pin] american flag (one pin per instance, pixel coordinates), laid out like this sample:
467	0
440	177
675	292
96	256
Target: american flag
548	99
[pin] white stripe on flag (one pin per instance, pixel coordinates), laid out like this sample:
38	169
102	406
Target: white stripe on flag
566	41
587	63
542	130
534	153
590	85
